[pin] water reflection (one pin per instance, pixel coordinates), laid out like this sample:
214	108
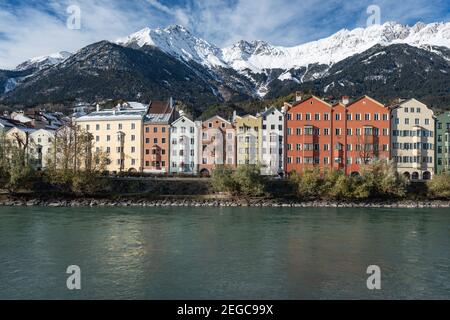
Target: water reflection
235	253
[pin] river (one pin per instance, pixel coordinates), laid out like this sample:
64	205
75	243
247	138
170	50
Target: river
224	253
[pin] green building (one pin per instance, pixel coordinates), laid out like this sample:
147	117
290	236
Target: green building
443	142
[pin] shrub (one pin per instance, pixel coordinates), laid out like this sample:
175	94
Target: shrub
222	179
439	187
246	180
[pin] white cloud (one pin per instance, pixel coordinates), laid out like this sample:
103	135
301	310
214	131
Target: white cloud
32	31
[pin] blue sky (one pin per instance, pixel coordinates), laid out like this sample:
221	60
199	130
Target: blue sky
31	28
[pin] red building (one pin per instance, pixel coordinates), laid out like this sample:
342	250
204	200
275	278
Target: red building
337	137
308	135
368	133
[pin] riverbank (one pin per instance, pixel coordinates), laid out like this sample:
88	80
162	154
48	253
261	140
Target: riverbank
218	201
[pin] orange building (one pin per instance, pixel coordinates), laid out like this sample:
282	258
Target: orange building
368	133
156	136
308	135
339	137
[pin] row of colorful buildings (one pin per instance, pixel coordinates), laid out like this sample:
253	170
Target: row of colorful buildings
308	133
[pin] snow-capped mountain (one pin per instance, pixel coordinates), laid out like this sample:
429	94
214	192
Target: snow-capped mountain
178	42
42	62
259	55
385	61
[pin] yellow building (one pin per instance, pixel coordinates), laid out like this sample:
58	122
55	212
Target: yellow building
118	132
249	139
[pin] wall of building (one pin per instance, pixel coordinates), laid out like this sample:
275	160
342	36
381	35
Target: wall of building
413	140
125	153
185	142
42	147
442	142
249	139
368	135
272	142
156	148
218	144
309	135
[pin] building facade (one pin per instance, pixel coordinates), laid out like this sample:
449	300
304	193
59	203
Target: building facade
118	133
308	135
336	137
413	139
156	133
272	142
42	147
218	144
248	139
185	142
443	142
368	133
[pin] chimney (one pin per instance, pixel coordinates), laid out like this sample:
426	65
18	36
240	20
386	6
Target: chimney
345	100
234	115
181	112
298	96
171	102
98	107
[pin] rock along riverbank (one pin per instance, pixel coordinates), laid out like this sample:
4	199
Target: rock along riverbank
189	202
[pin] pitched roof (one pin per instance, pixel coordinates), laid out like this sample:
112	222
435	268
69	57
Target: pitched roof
159	112
369	98
158	107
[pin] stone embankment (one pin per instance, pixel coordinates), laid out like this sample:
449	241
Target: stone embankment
231	202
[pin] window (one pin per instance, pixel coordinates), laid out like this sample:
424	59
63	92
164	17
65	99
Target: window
133	126
326	116
358	117
326	132
338	131
406	120
317	116
349	116
338	116
119	126
97	127
367	117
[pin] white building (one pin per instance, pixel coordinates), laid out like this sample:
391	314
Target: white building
272	142
413	131
185	145
42	147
